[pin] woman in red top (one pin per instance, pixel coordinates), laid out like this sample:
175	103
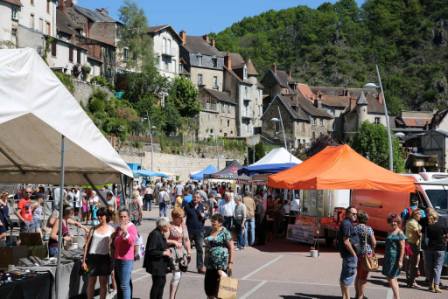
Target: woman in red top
124	242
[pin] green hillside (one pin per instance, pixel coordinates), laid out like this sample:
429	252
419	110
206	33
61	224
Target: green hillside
339	45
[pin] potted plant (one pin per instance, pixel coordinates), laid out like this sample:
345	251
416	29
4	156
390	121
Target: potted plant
85	70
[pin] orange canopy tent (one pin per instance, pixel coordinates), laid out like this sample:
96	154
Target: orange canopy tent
340	167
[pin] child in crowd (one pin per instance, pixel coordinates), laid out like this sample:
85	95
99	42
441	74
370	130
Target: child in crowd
38	213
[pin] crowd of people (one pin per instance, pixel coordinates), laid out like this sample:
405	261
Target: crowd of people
413	234
238	219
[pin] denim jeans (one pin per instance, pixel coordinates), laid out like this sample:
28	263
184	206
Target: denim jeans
240	243
123	273
147	203
433	265
198	237
163	209
250	232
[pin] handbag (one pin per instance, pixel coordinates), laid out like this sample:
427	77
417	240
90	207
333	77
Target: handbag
408	249
228	288
370	262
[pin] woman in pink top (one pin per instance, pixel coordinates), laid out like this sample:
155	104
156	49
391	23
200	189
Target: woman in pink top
125	238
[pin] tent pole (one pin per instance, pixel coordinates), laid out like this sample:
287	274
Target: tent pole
123	193
61	205
95	189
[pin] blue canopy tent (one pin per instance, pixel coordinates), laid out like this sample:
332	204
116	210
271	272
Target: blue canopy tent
199	175
149	173
276	160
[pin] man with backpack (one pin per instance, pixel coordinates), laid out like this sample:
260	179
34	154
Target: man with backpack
164	200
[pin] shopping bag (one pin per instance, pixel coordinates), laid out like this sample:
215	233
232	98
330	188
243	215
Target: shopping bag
370	263
228	287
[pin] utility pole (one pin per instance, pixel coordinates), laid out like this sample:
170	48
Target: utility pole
386	114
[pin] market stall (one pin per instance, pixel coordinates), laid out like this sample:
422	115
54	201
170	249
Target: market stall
199	175
230	172
46	137
337	168
276	160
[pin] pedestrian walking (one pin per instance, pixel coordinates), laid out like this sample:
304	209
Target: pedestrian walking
124	243
367	244
249	232
164	200
179	243
218	256
347	242
239	219
97	254
394	253
435	245
25	212
157	257
226	209
194	212
413	245
147	198
136	209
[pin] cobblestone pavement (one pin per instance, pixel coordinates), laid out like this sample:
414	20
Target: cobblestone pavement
281	269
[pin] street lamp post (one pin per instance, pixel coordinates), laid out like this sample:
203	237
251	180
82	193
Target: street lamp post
150	140
276	120
386	114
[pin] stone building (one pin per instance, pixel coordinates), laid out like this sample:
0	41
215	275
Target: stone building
240	81
217	115
9	22
368	106
303	122
166	48
202	61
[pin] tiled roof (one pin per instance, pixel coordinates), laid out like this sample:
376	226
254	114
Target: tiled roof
196	44
413	122
220	96
437	118
335	101
309	108
251	70
297	114
306	91
65	24
237	61
155	29
282	78
362	100
13	2
94	15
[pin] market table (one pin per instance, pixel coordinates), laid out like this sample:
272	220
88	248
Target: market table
35	287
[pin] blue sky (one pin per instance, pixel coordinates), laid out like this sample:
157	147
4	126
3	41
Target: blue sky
198	17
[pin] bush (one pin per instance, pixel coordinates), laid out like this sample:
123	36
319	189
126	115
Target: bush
66	80
101	81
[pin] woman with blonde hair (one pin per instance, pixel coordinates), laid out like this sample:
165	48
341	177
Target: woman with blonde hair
434	250
179	244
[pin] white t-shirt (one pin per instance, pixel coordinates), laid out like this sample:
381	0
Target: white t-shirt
100	243
295	205
227	208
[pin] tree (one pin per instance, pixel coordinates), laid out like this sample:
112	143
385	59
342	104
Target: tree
184	95
319	144
135	37
371	141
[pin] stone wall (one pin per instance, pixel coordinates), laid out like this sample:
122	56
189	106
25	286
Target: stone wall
179	165
83	91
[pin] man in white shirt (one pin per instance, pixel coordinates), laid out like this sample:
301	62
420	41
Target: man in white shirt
227	209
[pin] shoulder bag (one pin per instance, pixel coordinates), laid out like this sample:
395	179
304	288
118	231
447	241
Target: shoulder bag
370	263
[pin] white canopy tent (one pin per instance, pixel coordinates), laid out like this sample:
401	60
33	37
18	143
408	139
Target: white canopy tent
36	109
278	156
45	135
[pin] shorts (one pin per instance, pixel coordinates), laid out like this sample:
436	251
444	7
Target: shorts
348	272
99	264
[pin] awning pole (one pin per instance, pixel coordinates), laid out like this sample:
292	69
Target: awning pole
61	206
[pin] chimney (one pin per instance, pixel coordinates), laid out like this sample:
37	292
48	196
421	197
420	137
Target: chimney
274	68
318	103
289	75
183	37
206	39
103	11
228	61
213	43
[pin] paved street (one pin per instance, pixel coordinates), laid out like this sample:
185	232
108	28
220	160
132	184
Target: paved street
278	270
